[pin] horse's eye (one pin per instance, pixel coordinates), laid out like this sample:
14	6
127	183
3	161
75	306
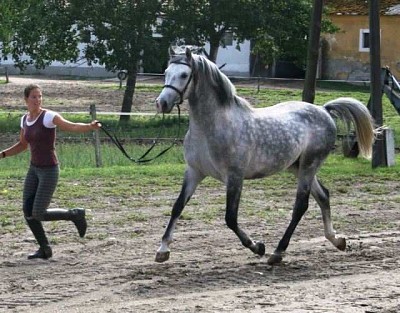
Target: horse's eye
184	75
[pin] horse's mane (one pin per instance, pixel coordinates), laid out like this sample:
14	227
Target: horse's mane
210	72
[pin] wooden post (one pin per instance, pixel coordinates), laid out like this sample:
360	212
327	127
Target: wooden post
96	138
378	151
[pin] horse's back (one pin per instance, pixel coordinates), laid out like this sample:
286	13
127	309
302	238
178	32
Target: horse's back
295	107
290	130
297	114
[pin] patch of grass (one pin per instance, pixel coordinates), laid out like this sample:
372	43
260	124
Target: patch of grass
185	216
377	226
267	214
12	227
5	221
10	123
136	217
211	214
374	189
343	86
97	236
342	189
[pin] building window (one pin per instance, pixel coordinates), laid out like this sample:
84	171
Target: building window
364	40
227	39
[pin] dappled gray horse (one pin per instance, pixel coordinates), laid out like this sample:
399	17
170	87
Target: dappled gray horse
232	141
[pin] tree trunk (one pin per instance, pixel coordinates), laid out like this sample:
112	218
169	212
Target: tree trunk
128	96
312	53
214	45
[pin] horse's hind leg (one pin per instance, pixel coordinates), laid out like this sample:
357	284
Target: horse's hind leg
300	207
191	180
234	189
321	195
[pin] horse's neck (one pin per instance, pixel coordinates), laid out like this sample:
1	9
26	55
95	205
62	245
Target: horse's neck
202	113
204	105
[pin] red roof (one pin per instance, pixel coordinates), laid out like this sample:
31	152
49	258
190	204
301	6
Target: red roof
361	7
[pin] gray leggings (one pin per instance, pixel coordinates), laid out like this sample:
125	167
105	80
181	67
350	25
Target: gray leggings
40	184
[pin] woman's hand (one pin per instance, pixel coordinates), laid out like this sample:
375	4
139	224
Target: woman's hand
95	125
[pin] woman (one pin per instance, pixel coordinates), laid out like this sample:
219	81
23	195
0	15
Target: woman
38	132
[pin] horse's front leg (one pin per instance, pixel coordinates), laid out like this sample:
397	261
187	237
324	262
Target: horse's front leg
234	190
190	182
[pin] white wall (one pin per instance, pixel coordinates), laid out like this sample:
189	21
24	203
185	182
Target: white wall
80	68
237	61
237	64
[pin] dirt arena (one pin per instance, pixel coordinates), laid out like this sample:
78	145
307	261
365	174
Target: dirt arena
113	269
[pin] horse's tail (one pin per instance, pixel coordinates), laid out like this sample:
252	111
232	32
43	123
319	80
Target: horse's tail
352	110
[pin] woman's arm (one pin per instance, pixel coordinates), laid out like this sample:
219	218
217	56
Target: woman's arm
20	146
69	126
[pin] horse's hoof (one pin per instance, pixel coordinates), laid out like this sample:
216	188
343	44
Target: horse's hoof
260	248
341	244
274	259
162	256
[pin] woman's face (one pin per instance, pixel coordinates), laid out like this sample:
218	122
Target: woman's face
34	100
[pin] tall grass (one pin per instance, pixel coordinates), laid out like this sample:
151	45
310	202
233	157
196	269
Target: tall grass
138	127
81	155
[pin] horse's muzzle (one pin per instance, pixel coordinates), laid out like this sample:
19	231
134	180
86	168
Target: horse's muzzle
162	106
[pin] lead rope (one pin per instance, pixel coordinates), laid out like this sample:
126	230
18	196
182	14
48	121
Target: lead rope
142	159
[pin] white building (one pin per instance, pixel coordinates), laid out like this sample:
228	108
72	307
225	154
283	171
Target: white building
234	62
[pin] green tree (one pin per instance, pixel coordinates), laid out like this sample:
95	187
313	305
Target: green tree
6	11
284	30
40	30
199	21
278	28
116	34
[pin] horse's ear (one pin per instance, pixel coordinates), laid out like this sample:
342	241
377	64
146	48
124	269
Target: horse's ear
188	53
171	52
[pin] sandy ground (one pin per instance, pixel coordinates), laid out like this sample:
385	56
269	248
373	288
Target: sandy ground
75	95
113	269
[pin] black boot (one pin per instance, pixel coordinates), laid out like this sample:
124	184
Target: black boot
79	220
44	251
77	216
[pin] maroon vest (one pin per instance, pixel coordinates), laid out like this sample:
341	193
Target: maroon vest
41	142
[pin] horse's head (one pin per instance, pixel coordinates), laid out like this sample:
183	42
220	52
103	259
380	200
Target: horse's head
178	79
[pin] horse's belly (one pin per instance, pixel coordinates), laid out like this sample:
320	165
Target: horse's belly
265	162
254	172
